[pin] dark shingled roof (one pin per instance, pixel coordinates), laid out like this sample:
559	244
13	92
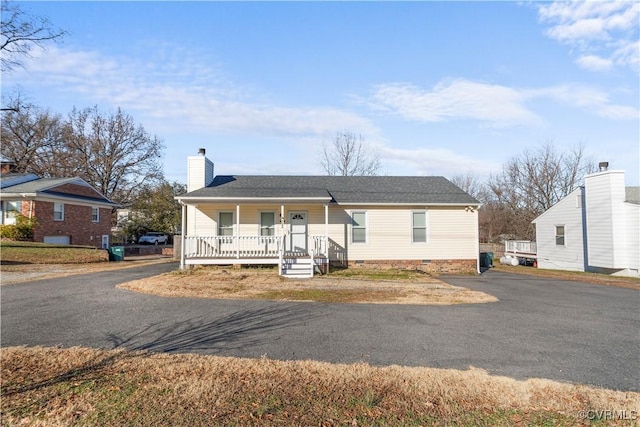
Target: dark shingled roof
339	189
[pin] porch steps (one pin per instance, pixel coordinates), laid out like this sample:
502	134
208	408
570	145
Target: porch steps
297	268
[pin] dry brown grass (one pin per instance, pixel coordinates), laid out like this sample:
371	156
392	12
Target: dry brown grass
18	273
80	386
255	283
576	276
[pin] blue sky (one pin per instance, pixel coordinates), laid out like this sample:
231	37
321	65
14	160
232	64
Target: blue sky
438	88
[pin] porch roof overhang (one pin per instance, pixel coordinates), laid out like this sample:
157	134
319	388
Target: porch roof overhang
254	200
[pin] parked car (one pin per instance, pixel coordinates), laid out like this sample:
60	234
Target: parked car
153	238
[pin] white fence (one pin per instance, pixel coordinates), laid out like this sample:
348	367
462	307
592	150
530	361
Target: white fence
233	246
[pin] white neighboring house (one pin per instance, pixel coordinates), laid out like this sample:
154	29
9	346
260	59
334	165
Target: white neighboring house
302	223
595	228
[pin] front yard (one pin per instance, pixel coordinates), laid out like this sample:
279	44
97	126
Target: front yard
346	286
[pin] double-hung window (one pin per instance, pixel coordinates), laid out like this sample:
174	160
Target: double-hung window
419	227
58	211
559	235
95	214
267	223
359	227
225	224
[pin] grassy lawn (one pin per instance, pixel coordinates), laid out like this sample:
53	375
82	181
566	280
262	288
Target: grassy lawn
578	276
343	286
80	386
43	253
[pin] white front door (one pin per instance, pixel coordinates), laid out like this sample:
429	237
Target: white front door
105	241
298	232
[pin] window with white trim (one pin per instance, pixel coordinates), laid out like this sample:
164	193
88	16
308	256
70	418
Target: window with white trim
267	223
560	235
358	227
419	227
58	211
225	224
95	214
12	211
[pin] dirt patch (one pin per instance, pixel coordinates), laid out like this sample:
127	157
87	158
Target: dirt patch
229	283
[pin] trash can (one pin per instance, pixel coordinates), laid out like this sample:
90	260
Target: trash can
486	259
116	253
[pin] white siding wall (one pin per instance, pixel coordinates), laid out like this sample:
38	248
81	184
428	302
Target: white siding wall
199	172
567	212
632	213
606	219
451	232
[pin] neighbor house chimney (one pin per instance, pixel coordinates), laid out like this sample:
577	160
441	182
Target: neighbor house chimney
199	171
603	166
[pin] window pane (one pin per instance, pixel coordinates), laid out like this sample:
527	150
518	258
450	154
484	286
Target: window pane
560	235
419	235
267	223
359	235
419	219
359	219
225	224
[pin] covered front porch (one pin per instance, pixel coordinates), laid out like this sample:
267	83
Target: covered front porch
253	234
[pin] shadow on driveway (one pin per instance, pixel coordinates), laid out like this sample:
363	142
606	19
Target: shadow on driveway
235	331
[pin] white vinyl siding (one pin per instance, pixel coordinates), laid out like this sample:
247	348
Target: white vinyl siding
58	211
606	222
451	232
419	227
569	256
359	227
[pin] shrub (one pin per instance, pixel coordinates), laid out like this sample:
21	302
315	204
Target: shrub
21	230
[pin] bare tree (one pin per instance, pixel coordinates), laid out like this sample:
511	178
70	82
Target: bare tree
30	137
20	32
348	155
111	152
470	184
533	182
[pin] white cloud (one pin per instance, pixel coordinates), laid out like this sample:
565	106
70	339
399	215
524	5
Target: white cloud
459	99
173	92
606	28
594	63
440	161
496	105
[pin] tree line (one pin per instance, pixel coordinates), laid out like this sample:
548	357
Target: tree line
528	184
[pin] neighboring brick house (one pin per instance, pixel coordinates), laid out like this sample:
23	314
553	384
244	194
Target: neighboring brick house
67	210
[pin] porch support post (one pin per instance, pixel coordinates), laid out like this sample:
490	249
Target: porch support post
237	231
183	232
326	231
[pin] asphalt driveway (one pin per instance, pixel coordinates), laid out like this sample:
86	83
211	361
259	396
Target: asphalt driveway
568	331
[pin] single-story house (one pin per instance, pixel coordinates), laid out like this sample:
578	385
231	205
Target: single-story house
66	210
595	228
302	223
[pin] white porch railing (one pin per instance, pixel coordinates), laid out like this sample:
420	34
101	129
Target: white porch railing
318	245
520	247
233	246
